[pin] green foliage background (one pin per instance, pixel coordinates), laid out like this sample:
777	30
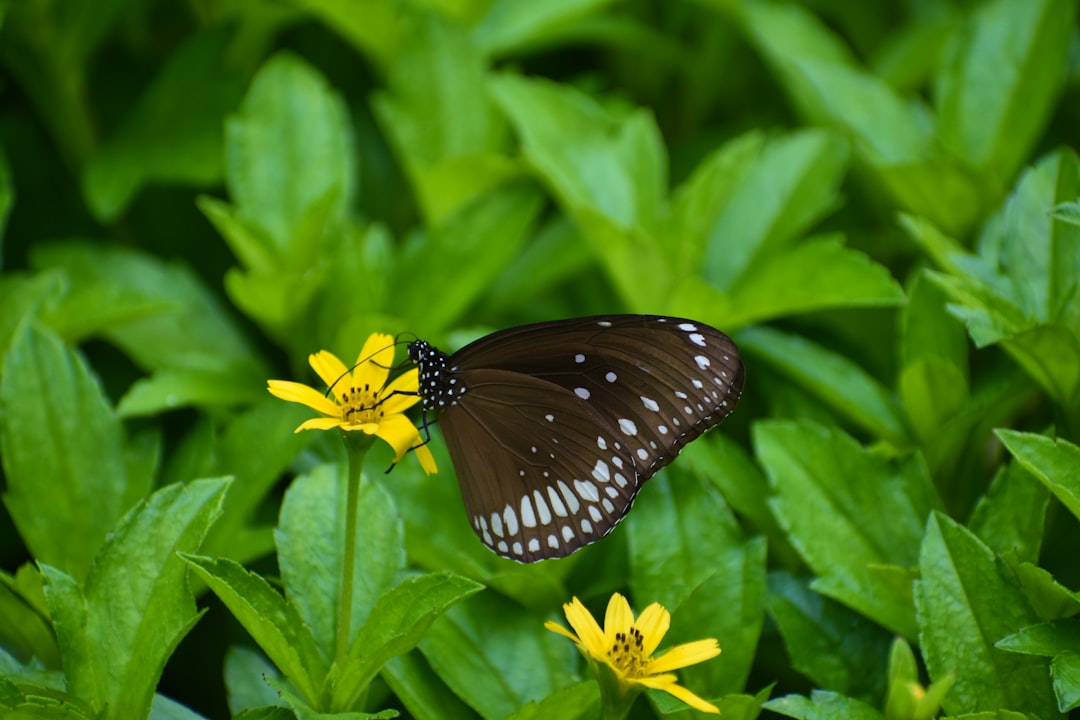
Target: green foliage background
878	201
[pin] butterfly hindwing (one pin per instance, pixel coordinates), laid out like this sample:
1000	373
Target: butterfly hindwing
541	472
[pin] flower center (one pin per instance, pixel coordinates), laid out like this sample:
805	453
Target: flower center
627	655
361	405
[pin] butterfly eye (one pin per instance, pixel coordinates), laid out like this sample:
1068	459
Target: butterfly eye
553	427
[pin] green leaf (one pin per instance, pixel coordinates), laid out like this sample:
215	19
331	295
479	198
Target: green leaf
608	170
1051	599
855	517
831	377
1044	639
823	705
470	647
833	646
669	532
62	449
7	194
1065	669
185	103
1010	517
793	183
421	691
245	668
395	625
176	322
965	603
291	110
186	387
1022	45
25	630
272	623
463	255
1056	463
115	647
440	119
165	709
310	539
510	25
574	702
816	274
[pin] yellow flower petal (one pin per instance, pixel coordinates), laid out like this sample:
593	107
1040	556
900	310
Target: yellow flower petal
402	393
589	634
400	433
653	624
374	361
298	393
685	655
618	618
320	423
691	699
557	628
331	371
427	460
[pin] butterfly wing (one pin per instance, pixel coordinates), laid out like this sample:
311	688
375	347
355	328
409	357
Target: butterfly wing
541	472
658	382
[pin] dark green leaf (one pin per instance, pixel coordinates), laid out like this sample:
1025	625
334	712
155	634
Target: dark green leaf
421	691
271	622
395	625
1065	669
1010	517
833	646
310	543
833	378
244	671
966	602
855	517
575	702
62	452
1045	639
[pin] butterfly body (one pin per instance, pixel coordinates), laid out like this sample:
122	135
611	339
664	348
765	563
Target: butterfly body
553	427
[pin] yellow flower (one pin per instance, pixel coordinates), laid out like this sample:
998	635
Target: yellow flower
627	647
360	401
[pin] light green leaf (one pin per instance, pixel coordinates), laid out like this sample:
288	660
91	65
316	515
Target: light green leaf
439	117
165	709
1045	639
187	328
793	183
244	671
510	25
1022	46
185	387
1056	463
310	537
62	449
855	517
837	381
395	625
271	622
823	705
292	112
816	274
965	603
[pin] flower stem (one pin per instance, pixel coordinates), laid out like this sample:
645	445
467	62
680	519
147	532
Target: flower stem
357	448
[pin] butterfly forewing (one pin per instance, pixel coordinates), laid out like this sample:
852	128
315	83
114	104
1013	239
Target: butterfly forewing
660	381
540	471
545	412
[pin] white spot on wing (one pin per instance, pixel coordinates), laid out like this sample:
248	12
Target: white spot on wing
702	361
528	519
511	520
601	471
649	403
611	377
587	490
570	497
595	513
556	502
579	358
688	327
567	533
627	426
553	542
534	544
541	508
698	339
582	393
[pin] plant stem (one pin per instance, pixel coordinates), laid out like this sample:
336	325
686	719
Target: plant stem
357	449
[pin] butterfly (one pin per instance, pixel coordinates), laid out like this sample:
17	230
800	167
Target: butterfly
554	427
